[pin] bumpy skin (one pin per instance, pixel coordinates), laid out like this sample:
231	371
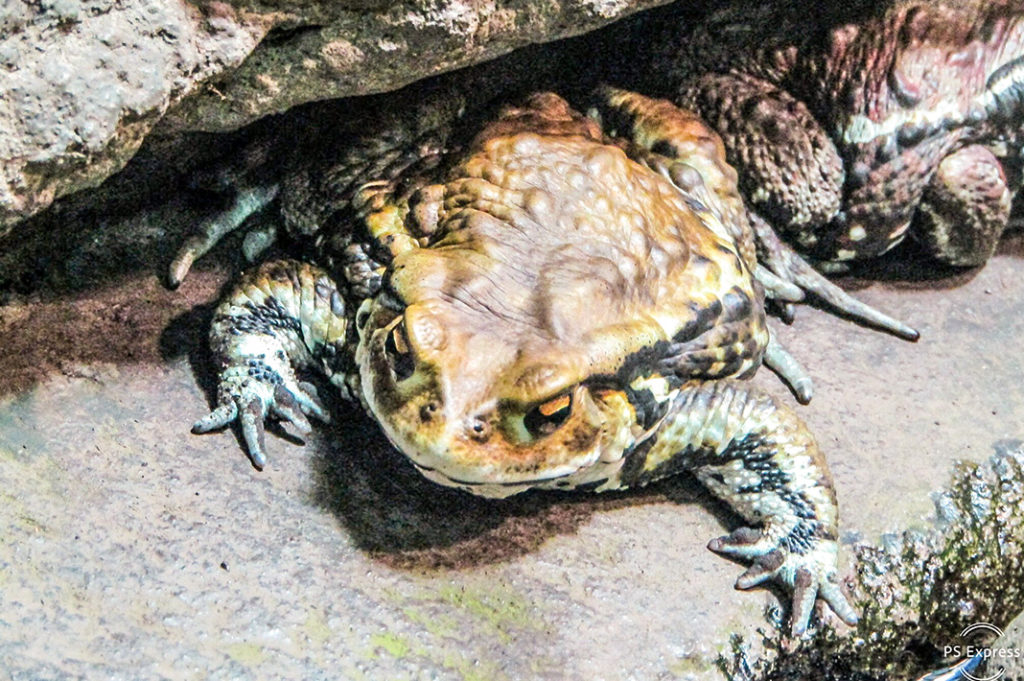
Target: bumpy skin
872	122
540	306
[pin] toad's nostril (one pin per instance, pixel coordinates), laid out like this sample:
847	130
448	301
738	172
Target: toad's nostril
479	429
428	410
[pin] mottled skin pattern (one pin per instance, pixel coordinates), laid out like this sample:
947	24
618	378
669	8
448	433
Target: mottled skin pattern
874	121
540	305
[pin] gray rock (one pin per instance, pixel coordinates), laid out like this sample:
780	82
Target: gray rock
83	83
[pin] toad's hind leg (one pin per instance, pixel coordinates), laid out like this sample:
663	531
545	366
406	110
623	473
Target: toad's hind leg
965	208
282	316
757	456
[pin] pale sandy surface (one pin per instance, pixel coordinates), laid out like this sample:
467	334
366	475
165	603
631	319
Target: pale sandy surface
131	549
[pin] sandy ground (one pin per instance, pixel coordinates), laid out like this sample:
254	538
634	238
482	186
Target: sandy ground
134	550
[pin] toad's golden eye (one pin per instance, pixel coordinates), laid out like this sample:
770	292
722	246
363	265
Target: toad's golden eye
546	417
396	348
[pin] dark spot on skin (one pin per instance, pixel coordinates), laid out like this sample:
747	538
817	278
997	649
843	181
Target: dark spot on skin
663	147
390	301
1004	71
737	304
648	410
910	134
261	319
887	150
704	319
801	538
695	205
638	363
582	439
725	249
262	372
634	459
858	175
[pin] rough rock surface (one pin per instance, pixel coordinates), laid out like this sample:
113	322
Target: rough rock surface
83	83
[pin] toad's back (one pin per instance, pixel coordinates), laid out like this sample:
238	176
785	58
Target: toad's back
557	233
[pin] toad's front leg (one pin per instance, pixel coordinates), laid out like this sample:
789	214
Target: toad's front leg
282	316
756	455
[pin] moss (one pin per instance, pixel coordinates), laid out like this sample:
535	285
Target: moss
437	625
316	627
502	611
247	654
392	644
917	591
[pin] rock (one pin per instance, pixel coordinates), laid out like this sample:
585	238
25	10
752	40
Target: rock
84	83
1006	654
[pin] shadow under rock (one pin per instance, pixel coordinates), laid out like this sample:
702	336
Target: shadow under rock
408	522
131	224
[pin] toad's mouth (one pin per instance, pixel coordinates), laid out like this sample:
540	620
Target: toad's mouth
452	481
492	463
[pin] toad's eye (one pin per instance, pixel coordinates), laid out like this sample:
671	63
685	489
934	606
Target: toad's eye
545	418
396	348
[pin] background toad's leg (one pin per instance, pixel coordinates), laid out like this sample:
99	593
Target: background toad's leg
789	170
965	208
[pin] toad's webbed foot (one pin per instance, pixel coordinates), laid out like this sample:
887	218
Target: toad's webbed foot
784	263
282	316
250	390
811	574
965	208
756	455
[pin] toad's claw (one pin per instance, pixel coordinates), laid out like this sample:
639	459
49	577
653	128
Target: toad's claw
778	288
786	264
245	203
778	359
250	400
811	574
